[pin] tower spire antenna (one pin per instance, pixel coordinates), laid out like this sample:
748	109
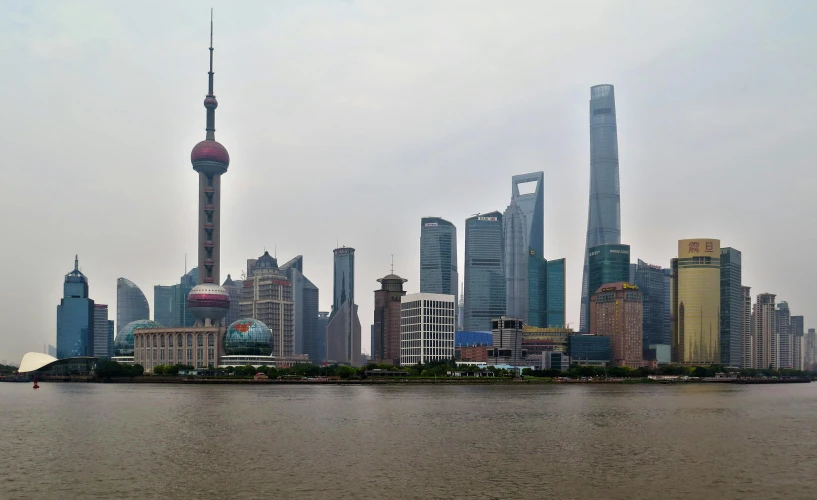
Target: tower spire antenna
76	262
210	102
392	263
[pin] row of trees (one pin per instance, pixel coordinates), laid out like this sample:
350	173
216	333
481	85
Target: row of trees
675	370
112	369
7	370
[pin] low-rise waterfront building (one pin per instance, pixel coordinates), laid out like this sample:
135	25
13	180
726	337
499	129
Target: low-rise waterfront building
585	349
427	324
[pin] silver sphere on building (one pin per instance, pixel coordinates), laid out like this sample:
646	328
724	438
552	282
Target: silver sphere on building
208	301
248	337
123	343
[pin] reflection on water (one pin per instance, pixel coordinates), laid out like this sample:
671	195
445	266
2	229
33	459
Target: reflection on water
563	442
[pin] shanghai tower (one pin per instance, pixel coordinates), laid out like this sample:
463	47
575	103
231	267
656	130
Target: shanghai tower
604	213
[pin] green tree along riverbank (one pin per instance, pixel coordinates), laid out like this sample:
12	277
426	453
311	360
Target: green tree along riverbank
434	370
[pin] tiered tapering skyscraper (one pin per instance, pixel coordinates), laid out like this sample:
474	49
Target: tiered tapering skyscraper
604	213
208	301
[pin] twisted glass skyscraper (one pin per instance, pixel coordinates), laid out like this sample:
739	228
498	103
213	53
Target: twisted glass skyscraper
604	213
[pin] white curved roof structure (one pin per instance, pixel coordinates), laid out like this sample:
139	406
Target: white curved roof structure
33	361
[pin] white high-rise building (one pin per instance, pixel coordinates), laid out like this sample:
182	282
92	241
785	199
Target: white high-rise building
427	324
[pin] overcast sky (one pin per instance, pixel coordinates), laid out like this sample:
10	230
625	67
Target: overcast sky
347	121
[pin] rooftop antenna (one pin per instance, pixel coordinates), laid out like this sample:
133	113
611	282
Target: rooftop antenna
76	262
392	263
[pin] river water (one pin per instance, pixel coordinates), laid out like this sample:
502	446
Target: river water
556	441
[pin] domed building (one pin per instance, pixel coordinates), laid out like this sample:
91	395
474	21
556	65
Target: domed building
123	343
248	337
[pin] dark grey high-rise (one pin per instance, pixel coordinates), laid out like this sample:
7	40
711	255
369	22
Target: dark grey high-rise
604	212
438	257
484	288
343	329
731	307
654	283
306	297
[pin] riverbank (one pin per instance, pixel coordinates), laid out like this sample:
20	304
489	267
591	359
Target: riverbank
425	381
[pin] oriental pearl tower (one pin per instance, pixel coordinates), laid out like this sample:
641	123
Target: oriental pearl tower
208	301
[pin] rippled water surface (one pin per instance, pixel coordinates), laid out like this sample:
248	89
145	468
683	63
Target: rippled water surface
556	442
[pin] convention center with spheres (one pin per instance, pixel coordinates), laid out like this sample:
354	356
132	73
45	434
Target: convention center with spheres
123	343
248	342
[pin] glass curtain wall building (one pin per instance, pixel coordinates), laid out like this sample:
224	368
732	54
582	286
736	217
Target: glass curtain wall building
75	317
484	288
604	212
609	263
653	281
556	291
438	257
731	307
696	302
523	228
131	303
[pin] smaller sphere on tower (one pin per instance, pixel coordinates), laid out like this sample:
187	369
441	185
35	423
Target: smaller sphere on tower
210	103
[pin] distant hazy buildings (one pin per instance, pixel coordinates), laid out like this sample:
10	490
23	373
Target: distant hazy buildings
765	337
170	302
427	328
731	307
438	257
343	330
317	354
484	286
696	302
785	349
75	317
233	289
131	303
653	282
386	327
797	332
607	263
747	335
306	297
810	354
616	311
103	332
604	212
343	336
268	297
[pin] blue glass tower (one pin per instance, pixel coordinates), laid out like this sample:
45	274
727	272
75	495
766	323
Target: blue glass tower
438	257
604	212
556	286
484	271
75	317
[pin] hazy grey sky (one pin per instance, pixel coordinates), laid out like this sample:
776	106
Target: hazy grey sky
349	120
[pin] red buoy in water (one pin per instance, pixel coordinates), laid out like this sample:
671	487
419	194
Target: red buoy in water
35	384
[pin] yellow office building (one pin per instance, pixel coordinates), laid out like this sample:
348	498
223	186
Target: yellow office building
695	299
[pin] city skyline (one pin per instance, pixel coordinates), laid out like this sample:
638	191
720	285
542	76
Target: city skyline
559	142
